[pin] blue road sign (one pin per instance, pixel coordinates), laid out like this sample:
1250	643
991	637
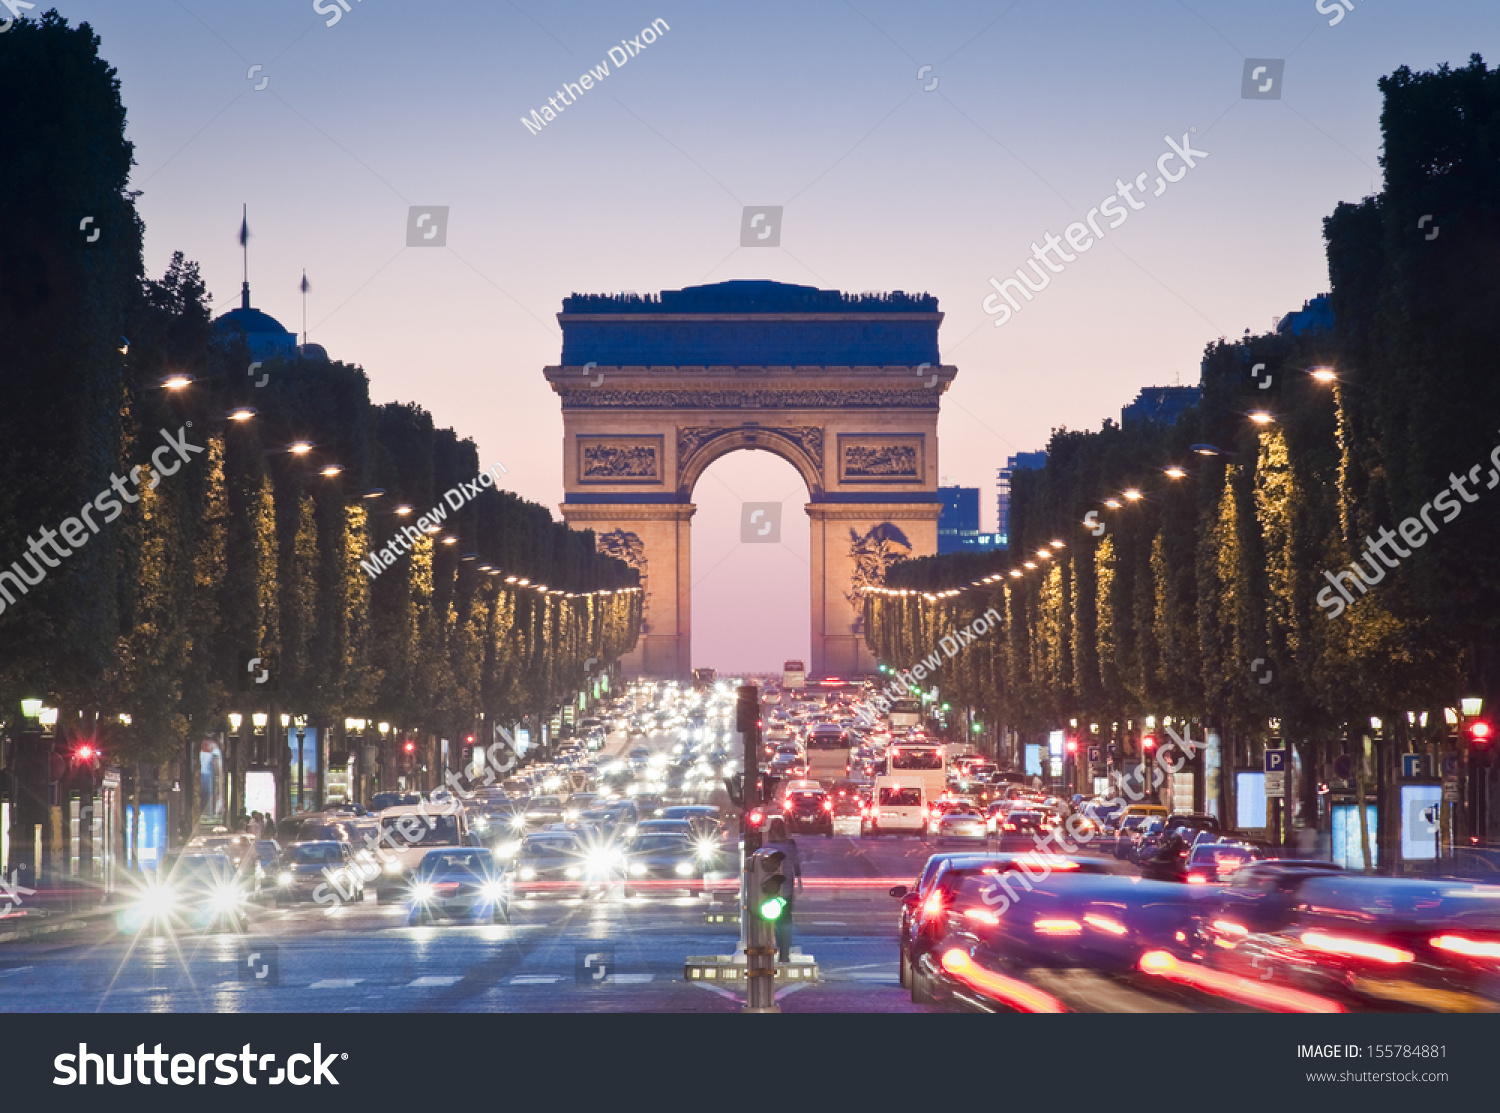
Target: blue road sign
1094	754
1275	761
1411	766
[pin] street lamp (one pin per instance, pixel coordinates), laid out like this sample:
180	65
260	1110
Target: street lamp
1261	417
1174	472
242	413
1113	504
31	708
1133	495
1324	374
177	382
330	471
299	448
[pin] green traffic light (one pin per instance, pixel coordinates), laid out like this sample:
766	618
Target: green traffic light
772	907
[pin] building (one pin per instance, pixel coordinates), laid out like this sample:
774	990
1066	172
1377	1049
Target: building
1314	316
959	518
1002	499
1161	405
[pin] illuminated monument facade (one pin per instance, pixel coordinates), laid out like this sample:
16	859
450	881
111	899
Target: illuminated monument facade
843	387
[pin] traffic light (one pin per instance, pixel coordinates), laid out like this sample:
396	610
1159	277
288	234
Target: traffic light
86	752
1072	745
410	747
755	818
1481	732
1148	744
767	884
747	711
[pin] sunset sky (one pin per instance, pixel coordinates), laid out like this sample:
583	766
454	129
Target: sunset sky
1038	109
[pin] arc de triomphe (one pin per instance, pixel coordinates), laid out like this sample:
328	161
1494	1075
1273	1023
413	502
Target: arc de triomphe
843	387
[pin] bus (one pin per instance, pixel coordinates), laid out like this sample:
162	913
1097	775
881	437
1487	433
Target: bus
793	675
905	714
919	761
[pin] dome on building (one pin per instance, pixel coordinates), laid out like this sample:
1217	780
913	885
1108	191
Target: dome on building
264	335
313	352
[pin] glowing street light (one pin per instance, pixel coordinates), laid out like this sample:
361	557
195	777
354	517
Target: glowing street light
299	448
1174	472
403	510
1261	417
330	471
1113	504
1133	495
177	382
1056	544
242	413
1324	374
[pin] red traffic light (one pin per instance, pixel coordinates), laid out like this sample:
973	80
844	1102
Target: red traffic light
1072	745
1481	731
469	738
86	752
755	817
1148	743
410	747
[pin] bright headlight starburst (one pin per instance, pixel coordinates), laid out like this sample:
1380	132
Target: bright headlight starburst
284	877
684	869
423	891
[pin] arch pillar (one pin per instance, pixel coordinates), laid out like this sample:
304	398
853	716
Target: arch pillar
655	540
851	547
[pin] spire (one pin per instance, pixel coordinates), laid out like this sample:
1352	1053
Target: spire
245	247
305	288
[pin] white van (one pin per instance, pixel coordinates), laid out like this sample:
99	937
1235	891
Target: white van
896	804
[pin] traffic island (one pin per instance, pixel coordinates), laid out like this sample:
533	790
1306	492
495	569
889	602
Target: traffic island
730	970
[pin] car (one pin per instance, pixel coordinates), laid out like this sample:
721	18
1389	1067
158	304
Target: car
960	824
382	800
1021	827
1213	863
459	881
895	805
1357	942
203	889
996	922
237	847
262	871
543	810
808	810
1125	834
315	869
406	833
664	860
552	862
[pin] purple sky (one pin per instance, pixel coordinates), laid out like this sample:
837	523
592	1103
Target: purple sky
1039	108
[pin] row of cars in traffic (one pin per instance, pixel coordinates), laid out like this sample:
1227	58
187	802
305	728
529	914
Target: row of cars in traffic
990	931
565	825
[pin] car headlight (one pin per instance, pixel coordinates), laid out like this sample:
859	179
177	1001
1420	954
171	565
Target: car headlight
284	877
226	898
707	848
637	869
684	869
518	823
422	891
157	901
572	872
481	823
492	891
393	866
527	873
508	849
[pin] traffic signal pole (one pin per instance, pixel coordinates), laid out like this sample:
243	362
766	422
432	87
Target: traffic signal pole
758	871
